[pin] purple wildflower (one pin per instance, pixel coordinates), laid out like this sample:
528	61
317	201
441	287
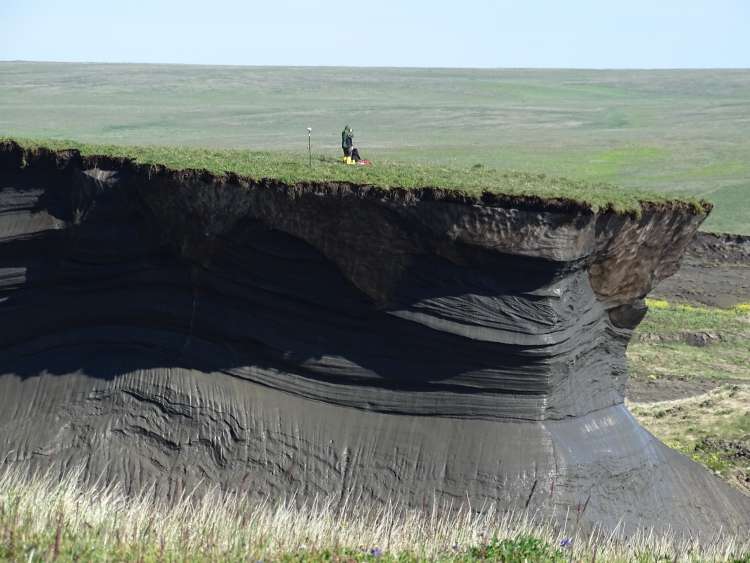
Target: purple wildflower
566	542
376	552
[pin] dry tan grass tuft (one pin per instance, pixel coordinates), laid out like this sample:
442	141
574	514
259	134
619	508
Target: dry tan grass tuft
52	516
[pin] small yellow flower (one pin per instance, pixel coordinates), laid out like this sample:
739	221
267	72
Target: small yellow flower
657	303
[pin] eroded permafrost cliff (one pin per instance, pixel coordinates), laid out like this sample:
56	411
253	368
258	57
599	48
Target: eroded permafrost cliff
335	339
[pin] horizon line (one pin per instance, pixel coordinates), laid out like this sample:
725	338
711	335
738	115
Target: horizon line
384	67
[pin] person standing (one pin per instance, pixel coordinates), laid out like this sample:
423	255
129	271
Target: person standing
347	141
347	145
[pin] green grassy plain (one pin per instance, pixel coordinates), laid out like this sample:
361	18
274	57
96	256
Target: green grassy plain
712	423
675	132
668	318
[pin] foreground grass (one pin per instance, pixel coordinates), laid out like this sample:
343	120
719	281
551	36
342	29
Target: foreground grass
45	519
293	168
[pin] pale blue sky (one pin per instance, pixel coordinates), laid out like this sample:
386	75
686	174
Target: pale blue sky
456	33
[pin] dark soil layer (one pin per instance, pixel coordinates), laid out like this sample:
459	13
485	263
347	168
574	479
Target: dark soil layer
180	328
715	271
642	390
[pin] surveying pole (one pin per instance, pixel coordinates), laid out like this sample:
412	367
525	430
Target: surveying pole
309	144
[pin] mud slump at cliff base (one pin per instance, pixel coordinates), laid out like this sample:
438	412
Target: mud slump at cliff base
416	346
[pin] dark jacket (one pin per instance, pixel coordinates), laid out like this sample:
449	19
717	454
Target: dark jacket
347	139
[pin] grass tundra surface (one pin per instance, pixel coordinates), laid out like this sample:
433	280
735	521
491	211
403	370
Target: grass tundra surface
671	131
386	174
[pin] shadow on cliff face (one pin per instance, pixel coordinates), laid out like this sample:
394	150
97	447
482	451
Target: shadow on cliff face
98	290
261	305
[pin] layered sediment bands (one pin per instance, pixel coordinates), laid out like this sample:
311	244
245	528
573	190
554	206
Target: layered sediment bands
174	327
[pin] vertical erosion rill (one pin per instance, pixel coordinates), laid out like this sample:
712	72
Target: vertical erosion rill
330	339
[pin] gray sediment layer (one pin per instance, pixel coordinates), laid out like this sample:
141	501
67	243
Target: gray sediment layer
331	339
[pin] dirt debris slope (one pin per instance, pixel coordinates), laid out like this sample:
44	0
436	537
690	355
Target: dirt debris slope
715	271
